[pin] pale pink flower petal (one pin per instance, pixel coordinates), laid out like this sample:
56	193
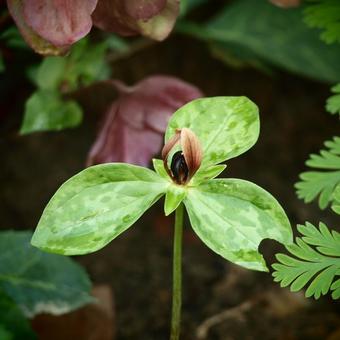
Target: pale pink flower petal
61	22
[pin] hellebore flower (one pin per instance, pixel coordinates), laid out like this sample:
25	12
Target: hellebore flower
133	127
50	27
231	216
154	19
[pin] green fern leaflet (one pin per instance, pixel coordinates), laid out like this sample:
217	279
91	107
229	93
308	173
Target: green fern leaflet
321	183
316	262
324	14
333	102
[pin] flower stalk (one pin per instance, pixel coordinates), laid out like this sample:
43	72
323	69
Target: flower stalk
177	275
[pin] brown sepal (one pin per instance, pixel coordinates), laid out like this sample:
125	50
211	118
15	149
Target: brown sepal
191	150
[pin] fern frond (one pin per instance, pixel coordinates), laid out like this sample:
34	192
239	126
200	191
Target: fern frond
333	102
321	183
336	200
325	15
316	262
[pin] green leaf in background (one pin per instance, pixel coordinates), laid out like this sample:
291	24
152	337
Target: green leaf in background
116	43
86	64
333	102
232	217
188	5
325	15
95	206
13	38
257	32
225	126
82	66
5	334
316	262
46	111
40	282
50	73
12	321
321	183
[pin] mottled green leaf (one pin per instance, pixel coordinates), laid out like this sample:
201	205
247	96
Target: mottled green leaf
13	321
95	206
158	165
225	126
45	110
173	197
40	282
233	216
207	173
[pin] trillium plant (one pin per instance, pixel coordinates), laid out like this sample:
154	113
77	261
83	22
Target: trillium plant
231	216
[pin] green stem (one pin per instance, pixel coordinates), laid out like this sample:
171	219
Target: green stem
177	275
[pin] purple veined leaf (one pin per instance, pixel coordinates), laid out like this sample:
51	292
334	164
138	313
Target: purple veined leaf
132	17
286	3
133	127
38	43
61	22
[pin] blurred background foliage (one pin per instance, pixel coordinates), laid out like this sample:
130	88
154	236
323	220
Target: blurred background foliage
243	34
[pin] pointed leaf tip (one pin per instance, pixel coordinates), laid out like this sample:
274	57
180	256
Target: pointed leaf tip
95	206
232	217
225	126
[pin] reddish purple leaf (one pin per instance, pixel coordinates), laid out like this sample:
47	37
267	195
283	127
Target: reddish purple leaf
153	19
133	127
39	44
61	22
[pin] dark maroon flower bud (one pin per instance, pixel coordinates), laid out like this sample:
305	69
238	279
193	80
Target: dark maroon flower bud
186	162
179	168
